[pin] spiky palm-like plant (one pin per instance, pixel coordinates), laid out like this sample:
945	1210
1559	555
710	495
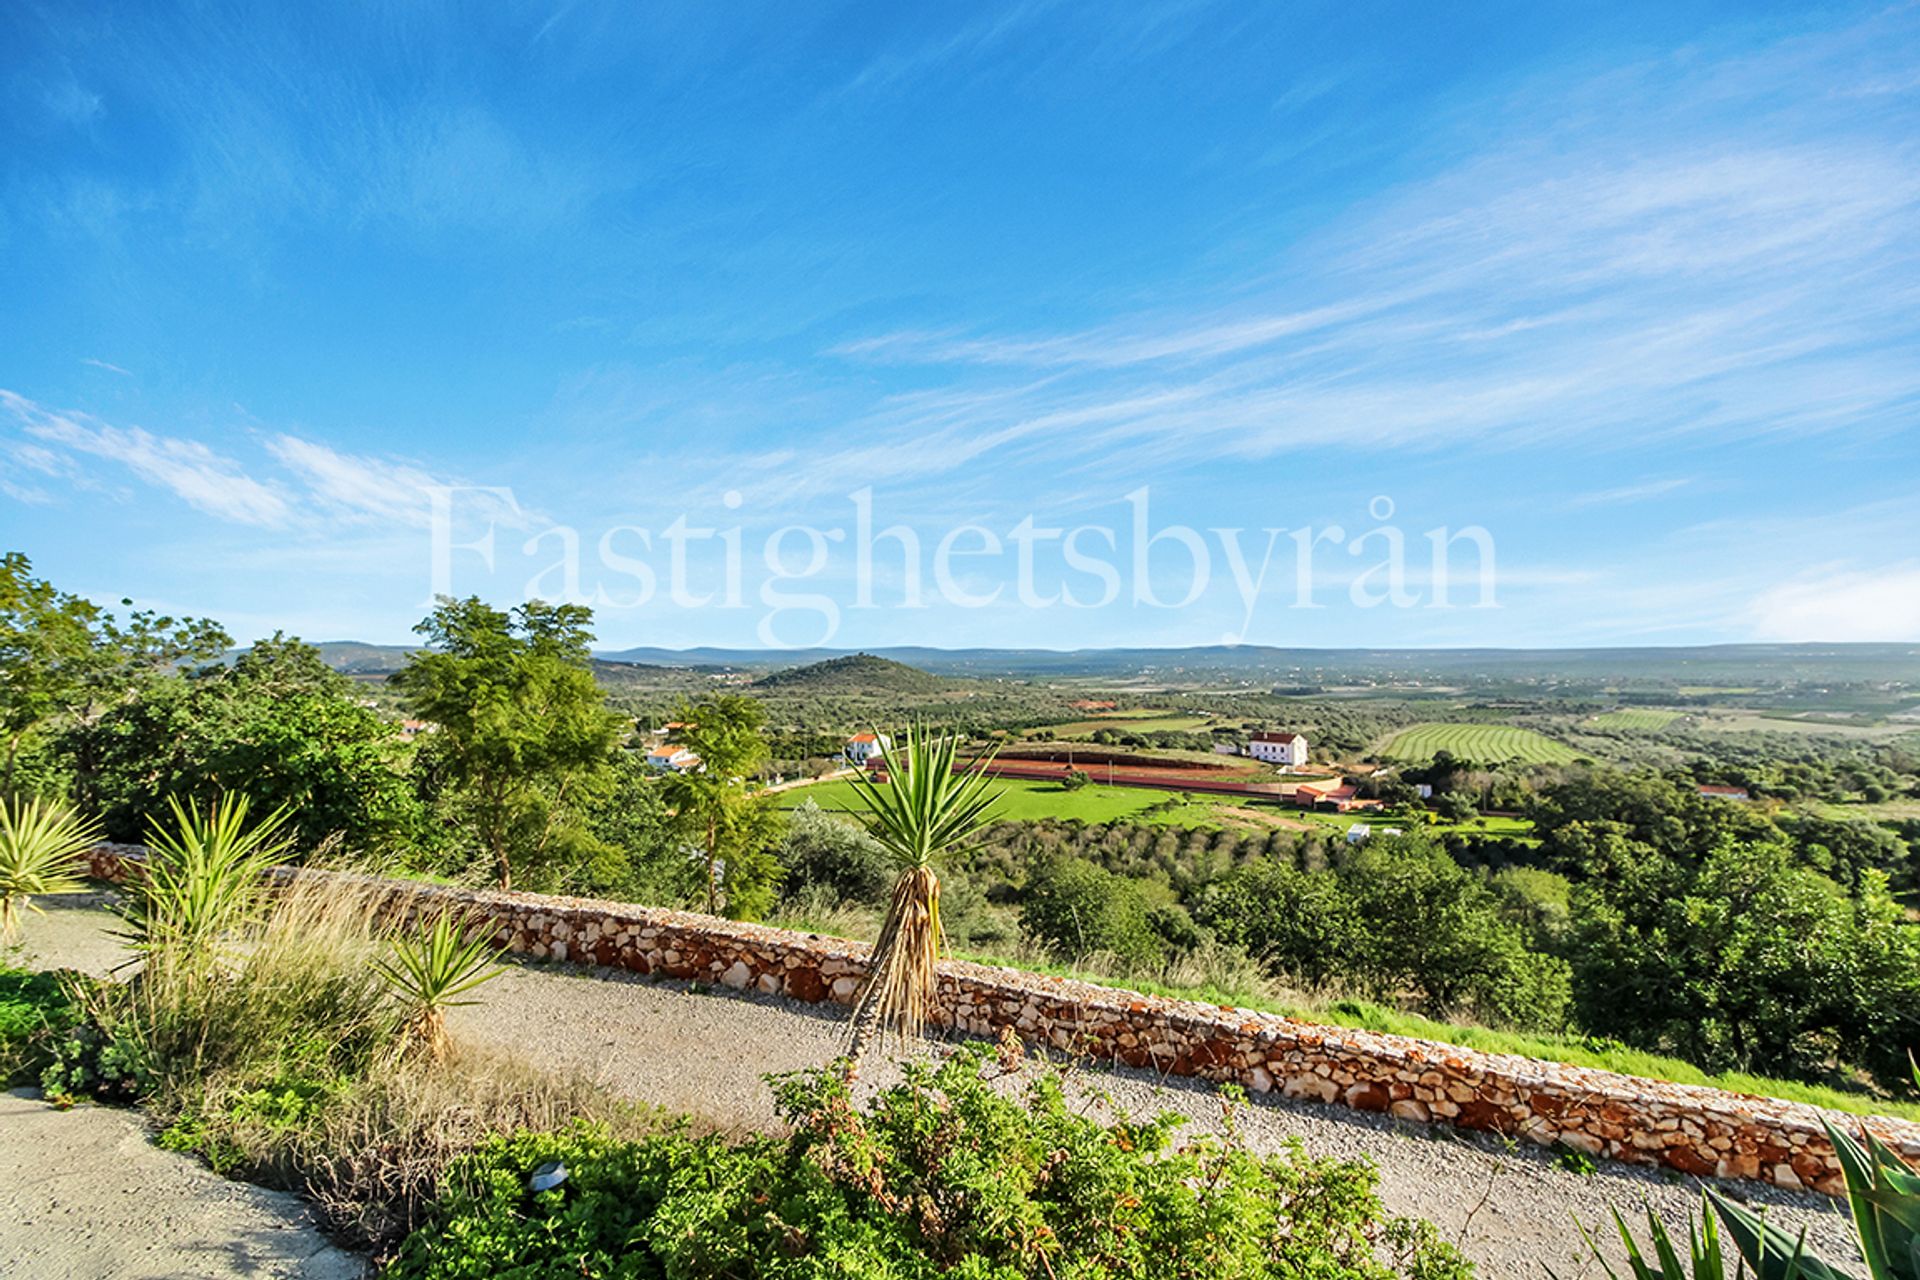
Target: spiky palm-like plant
40	844
202	881
430	971
928	806
1882	1192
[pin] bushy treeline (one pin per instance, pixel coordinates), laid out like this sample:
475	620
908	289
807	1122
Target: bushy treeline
1639	912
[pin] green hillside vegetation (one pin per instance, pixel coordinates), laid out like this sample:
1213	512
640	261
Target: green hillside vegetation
1483	743
858	673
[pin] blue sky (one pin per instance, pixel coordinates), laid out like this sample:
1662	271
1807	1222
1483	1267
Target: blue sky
1635	288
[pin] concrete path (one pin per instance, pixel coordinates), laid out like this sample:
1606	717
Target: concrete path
85	1195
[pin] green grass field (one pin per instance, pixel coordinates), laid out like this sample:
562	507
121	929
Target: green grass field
1641	719
1026	800
1482	743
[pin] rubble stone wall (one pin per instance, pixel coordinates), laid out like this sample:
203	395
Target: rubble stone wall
1697	1130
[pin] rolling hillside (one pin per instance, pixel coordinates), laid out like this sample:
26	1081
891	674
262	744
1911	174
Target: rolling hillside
857	673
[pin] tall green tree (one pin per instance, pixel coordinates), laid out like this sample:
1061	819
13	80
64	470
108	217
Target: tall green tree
278	725
734	828
524	738
63	658
1748	961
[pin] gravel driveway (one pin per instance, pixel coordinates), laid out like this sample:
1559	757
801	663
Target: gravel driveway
702	1051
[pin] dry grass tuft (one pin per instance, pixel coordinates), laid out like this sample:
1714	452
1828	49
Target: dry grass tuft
372	1152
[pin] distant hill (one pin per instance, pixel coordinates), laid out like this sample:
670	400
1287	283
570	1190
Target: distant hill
855	673
1733	664
355	658
1698	664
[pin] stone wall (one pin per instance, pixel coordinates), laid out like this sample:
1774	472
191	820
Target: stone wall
1697	1130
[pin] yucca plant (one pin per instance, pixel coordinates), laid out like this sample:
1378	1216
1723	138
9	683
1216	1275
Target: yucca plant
40	847
202	881
1706	1258
1883	1193
928	807
429	971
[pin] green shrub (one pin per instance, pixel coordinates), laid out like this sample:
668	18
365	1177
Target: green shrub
108	1064
36	1010
943	1175
1080	909
825	852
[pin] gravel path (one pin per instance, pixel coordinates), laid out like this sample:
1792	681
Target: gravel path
700	1051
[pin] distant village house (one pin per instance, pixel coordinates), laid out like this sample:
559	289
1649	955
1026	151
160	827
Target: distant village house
676	759
863	747
1289	750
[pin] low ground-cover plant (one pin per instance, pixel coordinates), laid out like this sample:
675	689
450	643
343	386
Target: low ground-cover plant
271	1026
372	1150
36	1009
944	1175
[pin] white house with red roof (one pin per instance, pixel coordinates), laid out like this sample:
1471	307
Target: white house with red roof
1288	750
862	747
676	759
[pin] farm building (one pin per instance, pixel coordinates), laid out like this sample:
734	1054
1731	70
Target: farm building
1286	749
1714	792
1333	794
863	747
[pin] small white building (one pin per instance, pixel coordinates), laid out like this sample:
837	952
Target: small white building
1288	750
862	747
677	759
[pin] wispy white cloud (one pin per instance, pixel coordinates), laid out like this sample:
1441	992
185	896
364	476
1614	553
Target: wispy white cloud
110	368
1717	265
1629	493
1839	603
317	486
383	491
356	487
188	469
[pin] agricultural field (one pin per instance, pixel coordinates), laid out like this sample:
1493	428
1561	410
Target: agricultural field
1642	719
1904	810
1024	800
1762	722
1144	720
1482	743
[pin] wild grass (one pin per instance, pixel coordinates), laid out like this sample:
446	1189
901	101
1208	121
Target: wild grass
371	1151
282	1052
